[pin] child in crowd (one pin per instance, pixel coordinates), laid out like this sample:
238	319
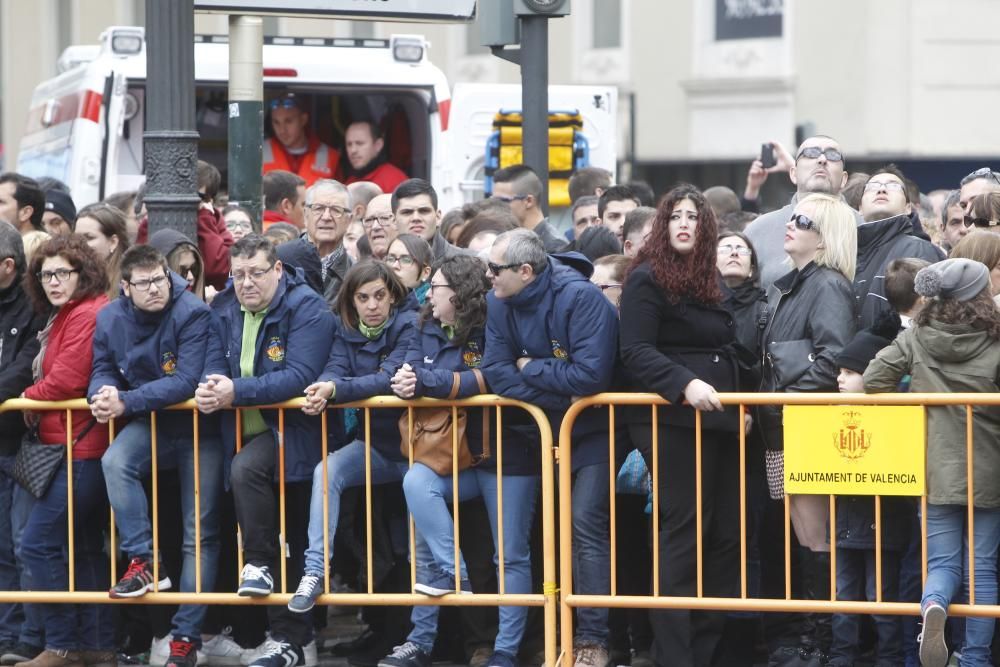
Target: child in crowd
899	278
953	348
856	527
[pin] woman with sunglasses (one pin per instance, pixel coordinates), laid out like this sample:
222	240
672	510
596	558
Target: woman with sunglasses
677	339
68	280
811	317
410	258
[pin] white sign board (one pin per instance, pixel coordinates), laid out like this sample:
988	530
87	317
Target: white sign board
372	10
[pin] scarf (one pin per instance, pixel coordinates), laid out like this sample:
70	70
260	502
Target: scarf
43	339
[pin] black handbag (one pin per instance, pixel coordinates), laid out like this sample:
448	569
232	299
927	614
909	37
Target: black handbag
36	463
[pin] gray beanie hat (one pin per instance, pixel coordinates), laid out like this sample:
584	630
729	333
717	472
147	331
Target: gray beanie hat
959	279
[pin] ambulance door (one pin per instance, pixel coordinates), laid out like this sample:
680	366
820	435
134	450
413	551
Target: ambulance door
112	126
473	106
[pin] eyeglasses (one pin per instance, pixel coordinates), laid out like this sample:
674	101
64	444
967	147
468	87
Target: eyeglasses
606	286
423	212
813	152
508	199
983	172
741	250
980	222
495	269
285	102
435	286
255	275
336	212
239	224
382	220
61	275
145	284
404	260
803	222
888	186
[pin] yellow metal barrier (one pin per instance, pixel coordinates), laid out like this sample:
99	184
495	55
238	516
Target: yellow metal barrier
545	599
570	600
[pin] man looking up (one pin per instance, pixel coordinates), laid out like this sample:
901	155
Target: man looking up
293	148
819	167
363	143
520	187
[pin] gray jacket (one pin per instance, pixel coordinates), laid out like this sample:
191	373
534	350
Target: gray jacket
949	358
810	319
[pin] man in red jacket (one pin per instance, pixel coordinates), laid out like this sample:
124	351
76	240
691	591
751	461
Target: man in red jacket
293	148
363	143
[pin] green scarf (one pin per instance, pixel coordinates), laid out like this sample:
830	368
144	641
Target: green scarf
371	333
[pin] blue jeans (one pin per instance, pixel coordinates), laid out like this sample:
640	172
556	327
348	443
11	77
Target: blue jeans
856	581
126	463
947	575
591	549
346	468
427	495
43	553
14	509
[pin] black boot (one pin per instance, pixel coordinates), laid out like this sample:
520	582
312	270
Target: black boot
816	645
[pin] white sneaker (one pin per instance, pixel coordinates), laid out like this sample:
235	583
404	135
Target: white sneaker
221	649
159	652
309	651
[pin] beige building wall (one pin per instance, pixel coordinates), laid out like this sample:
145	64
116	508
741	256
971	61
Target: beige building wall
895	78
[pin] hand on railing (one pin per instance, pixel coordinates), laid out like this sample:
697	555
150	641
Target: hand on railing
701	396
106	405
317	395
215	394
404	382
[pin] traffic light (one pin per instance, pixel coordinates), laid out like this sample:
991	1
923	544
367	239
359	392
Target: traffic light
541	7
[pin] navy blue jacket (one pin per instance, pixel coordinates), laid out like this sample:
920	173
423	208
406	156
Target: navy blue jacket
292	345
361	368
570	330
154	359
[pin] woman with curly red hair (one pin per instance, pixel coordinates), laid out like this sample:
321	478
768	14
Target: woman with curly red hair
677	341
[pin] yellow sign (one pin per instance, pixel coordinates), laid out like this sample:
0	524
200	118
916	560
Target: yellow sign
854	450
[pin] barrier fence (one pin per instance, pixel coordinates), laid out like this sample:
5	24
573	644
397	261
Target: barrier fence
568	599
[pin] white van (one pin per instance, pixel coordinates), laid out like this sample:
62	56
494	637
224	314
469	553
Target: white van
86	124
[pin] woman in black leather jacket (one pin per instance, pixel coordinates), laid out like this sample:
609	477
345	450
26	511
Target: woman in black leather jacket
811	318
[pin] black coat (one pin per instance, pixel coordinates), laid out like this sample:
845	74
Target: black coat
810	319
19	326
748	304
665	345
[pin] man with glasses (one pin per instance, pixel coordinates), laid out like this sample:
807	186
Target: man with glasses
150	350
415	207
886	234
819	167
380	225
284	198
276	334
328	215
977	183
551	335
293	147
520	187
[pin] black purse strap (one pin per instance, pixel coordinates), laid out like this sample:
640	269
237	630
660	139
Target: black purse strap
86	429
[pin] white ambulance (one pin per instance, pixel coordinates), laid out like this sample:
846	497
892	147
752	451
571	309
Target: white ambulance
86	124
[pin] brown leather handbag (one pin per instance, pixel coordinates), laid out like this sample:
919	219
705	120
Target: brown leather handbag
434	432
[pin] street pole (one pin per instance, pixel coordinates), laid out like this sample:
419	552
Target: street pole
171	138
534	61
246	113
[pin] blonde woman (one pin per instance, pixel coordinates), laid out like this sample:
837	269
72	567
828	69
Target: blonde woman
810	319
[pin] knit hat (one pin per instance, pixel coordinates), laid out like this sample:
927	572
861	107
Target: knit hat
61	204
960	279
861	350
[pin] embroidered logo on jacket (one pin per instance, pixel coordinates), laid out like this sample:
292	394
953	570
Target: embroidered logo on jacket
168	362
275	351
558	352
472	356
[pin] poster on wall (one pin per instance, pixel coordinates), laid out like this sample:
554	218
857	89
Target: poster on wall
748	19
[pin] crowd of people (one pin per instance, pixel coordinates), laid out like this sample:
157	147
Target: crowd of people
345	292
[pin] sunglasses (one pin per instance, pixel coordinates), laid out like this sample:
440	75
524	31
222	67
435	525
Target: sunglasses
285	102
983	172
980	222
495	269
803	222
813	152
